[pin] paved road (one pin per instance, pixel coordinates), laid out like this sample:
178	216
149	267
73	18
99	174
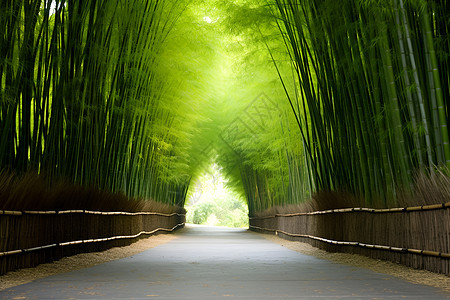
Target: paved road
211	263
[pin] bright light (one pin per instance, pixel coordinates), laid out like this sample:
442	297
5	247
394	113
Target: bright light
207	19
54	8
212	202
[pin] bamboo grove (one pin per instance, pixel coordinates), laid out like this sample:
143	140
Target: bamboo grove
373	79
89	95
367	88
290	97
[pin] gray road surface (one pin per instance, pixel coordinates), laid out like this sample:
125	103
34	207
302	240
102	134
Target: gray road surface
211	263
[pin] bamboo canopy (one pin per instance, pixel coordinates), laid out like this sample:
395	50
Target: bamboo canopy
88	95
291	97
365	87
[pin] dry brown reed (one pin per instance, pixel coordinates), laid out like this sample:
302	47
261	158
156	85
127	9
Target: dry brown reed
428	188
323	200
31	191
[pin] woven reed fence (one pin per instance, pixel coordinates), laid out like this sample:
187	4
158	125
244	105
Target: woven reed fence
417	237
29	238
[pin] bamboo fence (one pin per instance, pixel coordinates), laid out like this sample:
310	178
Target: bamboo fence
29	238
417	237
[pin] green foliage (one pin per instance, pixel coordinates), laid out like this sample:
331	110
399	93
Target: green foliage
140	96
224	211
105	94
201	212
363	84
211	202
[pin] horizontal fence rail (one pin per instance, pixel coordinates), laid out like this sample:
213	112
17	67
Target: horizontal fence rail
32	237
417	237
83	211
379	247
91	240
360	209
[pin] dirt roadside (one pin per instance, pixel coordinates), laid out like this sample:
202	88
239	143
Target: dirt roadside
409	274
80	261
